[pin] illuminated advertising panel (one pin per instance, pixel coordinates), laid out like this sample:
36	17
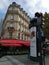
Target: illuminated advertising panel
33	49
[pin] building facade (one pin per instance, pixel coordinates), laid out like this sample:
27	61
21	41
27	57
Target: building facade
16	23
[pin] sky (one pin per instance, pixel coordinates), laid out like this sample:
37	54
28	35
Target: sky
30	6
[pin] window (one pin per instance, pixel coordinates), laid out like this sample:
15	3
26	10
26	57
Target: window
18	35
13	9
10	35
12	17
22	35
11	25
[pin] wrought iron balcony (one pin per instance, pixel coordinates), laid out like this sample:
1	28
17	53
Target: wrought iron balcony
12	11
10	29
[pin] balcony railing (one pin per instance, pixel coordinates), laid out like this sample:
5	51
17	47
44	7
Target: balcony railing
12	11
11	29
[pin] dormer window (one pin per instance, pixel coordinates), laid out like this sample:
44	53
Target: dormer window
14	3
12	17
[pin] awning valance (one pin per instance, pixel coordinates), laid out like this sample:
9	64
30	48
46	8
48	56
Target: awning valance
14	42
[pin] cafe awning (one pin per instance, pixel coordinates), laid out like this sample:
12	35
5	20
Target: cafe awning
10	42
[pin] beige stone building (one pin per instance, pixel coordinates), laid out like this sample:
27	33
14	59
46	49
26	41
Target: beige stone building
16	23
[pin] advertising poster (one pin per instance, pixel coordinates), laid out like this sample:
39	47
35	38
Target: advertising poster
33	49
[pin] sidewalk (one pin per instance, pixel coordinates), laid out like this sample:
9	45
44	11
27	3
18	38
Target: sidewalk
4	61
14	61
24	59
20	60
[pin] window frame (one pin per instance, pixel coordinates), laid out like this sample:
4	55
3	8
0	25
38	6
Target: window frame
12	17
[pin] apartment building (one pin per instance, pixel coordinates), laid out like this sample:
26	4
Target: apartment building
16	23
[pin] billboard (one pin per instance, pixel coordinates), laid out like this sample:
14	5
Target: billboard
33	49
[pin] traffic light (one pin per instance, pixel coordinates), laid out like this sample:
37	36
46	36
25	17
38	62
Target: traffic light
38	14
33	22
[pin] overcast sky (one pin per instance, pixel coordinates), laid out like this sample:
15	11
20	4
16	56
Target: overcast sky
30	6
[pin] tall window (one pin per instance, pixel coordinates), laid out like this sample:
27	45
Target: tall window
12	17
18	35
25	37
13	9
22	36
10	35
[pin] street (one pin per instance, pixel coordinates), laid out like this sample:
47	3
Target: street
20	60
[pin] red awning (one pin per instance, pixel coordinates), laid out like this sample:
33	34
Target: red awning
14	42
17	45
9	41
26	43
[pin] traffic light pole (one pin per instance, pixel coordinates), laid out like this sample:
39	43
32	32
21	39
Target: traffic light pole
40	40
40	56
39	45
36	44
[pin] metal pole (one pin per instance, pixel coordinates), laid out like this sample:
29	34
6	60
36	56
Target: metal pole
40	57
43	56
